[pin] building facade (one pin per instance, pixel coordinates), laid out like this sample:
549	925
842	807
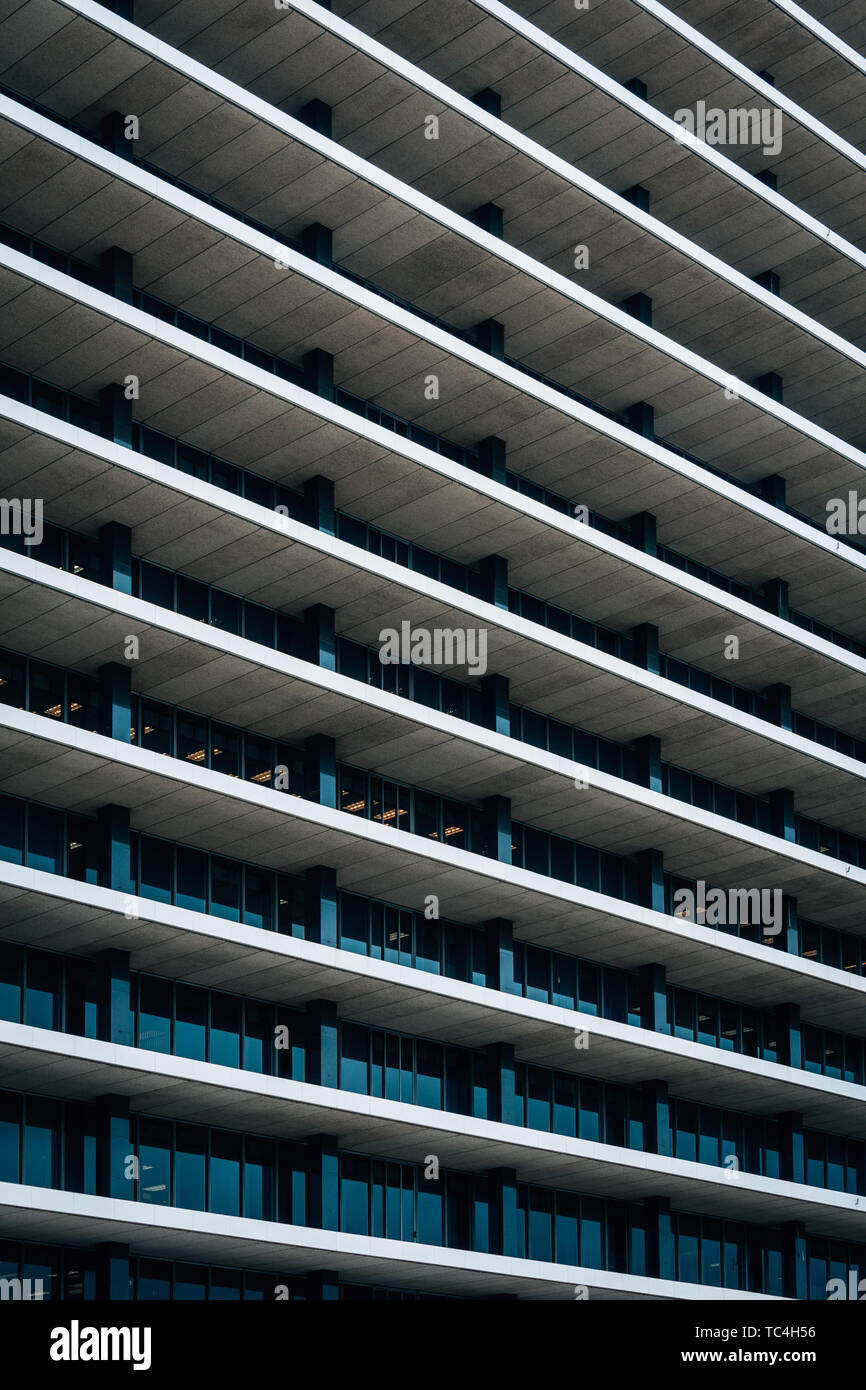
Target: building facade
432	817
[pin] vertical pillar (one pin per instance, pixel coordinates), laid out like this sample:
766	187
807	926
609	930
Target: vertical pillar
640	306
657	1118
114	1148
322	1033
638	195
113	135
115	1018
491	453
778	703
490	337
117	273
637	87
116	412
502	1189
318	116
114	685
499	948
113	1274
494	580
321	638
490	219
115	545
640	417
323	1182
660	1238
320	770
643	532
496	815
775	593
650	867
502	1087
318	369
489	101
319	504
792	1145
771	385
318	243
115	865
654	998
495	703
648	762
794	1257
323	1285
789	937
789	1035
320	905
645	647
773	489
769	280
782	815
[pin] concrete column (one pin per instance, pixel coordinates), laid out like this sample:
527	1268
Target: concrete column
771	384
114	1148
113	1273
796	1283
654	998
323	1285
641	418
322	1043
117	272
648	762
645	647
494	580
115	544
782	813
490	337
775	593
489	218
318	116
496	704
661	1258
499	945
504	1230
643	532
116	413
114	859
496	812
318	243
638	195
320	905
650	879
792	1146
489	101
502	1088
789	1035
640	306
113	992
657	1118
323	1182
319	504
320	770
321	639
779	712
773	490
318	368
491	452
114	684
